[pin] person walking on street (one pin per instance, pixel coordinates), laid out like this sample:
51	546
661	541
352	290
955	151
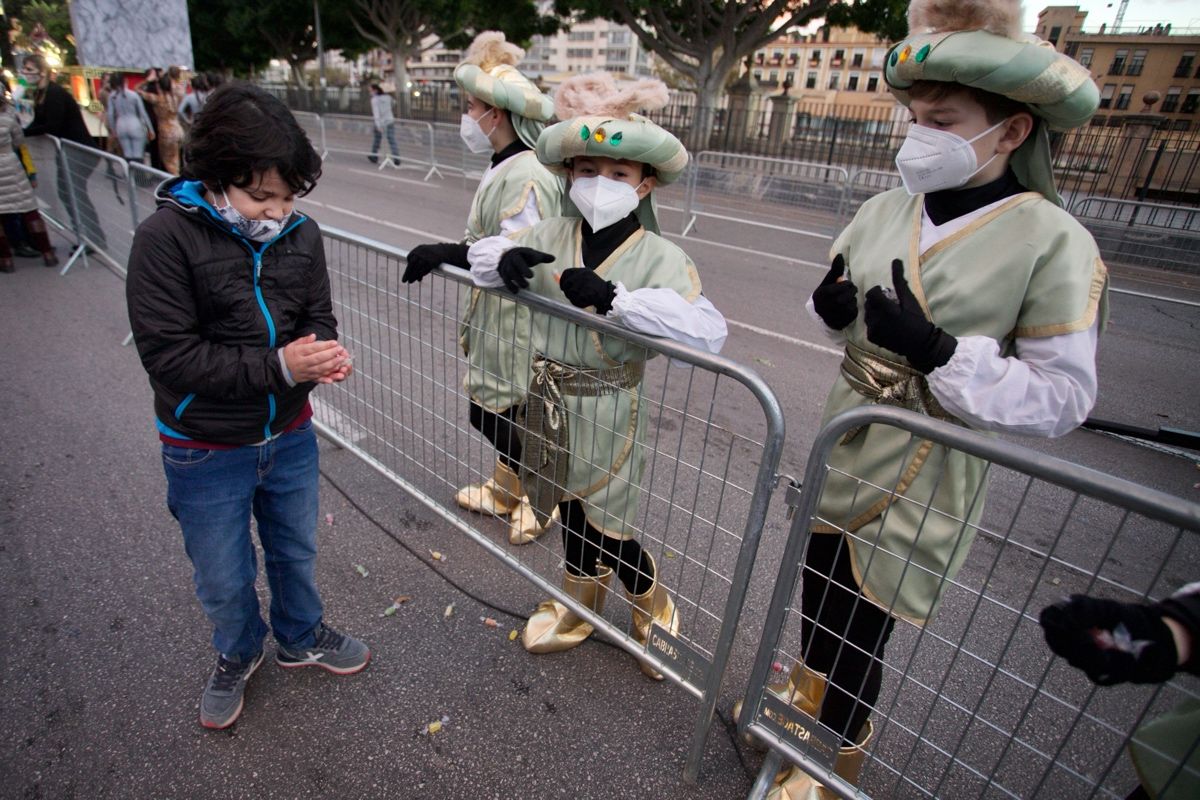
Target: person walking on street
56	113
385	124
191	105
230	308
16	192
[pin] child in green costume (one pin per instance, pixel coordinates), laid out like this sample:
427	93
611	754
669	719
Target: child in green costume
505	113
969	295
583	429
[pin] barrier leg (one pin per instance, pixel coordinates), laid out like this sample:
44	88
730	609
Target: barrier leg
766	776
691	223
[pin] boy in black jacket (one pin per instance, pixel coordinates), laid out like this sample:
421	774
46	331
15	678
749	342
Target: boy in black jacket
229	303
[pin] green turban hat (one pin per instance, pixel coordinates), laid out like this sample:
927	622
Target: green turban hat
489	73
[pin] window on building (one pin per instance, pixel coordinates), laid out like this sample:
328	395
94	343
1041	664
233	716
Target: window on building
619	54
877	56
1185	64
873	83
579	52
777	56
1181	125
1055	32
857	59
1099	121
815	58
758	75
852	83
1118	63
1170	103
774	76
790	77
1115	122
835	80
581	36
1123	98
1071	49
1085	56
1191	101
838	57
618	37
810	82
1137	62
1106	94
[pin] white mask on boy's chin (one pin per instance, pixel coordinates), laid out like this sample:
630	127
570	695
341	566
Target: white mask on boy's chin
603	201
931	160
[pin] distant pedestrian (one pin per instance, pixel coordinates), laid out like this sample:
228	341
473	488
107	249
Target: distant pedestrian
230	308
385	124
16	194
165	103
56	113
191	105
149	86
128	120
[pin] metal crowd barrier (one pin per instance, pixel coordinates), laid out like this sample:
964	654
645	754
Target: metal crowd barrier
714	436
1143	234
865	184
974	704
353	134
314	126
779	194
453	156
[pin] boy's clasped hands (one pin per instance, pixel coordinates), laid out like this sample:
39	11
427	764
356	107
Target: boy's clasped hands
321	362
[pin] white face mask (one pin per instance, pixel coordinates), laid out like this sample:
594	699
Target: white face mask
258	230
931	160
473	136
603	201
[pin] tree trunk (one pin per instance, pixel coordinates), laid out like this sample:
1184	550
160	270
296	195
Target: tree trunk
304	99
400	76
709	85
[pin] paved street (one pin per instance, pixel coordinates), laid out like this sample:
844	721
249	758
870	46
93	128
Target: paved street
107	648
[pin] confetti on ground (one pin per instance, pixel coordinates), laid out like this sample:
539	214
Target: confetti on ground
512	635
776	666
329	519
433	727
763	361
449	612
395	606
672	554
361	570
491	623
436	556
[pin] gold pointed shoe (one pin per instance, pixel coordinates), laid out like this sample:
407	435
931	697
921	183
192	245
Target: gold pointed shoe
553	627
654	605
804	689
498	495
793	783
523	525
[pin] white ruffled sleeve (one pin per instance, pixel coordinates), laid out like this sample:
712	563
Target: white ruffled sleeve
664	312
1046	390
484	257
837	337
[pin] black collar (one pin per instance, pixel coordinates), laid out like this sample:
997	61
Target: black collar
599	245
951	204
517	146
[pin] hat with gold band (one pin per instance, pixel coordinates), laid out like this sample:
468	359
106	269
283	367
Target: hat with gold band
489	73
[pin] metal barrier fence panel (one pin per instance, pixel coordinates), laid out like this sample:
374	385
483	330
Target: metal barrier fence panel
1143	234
103	198
797	197
865	184
314	126
51	191
713	433
974	704
453	156
355	135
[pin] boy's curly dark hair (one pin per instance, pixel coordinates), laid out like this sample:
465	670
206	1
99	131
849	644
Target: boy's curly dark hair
242	130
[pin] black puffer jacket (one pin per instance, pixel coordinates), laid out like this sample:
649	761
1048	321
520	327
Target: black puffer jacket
210	311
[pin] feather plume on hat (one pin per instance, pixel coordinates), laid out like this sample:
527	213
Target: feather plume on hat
490	49
597	94
1001	17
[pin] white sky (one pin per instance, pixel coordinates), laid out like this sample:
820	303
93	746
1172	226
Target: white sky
1180	13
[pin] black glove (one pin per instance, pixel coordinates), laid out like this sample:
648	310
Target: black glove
1081	630
585	288
836	301
516	266
900	325
423	258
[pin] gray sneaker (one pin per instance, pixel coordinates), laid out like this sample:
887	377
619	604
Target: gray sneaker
332	651
221	703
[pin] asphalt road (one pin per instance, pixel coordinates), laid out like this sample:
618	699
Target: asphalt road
109	650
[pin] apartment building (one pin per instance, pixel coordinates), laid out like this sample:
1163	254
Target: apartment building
834	66
1129	63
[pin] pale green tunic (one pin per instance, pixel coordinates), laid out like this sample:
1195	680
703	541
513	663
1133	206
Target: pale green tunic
1026	269
494	331
606	433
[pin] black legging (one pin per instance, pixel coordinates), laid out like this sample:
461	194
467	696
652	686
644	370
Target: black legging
586	544
501	430
847	640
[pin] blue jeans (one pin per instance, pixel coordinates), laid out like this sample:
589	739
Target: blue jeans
391	137
212	493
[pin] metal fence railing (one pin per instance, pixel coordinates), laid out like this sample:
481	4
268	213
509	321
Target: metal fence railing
354	135
1143	234
973	704
707	477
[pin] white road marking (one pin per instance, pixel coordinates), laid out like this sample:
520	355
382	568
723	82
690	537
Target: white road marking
802	262
397	178
783	337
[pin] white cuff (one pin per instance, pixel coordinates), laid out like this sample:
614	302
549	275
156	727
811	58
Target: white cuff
664	312
837	337
287	374
484	257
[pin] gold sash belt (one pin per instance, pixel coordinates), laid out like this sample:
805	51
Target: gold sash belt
545	445
890	383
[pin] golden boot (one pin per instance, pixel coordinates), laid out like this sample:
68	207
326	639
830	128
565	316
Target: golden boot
805	689
654	605
523	526
793	783
498	495
554	627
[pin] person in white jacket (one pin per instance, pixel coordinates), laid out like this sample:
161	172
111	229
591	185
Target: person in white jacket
385	125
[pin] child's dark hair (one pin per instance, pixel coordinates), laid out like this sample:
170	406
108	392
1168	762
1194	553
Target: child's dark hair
997	107
242	130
